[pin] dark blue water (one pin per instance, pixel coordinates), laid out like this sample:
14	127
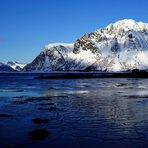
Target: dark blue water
89	113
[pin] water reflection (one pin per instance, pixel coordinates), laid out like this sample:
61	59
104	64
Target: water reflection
89	112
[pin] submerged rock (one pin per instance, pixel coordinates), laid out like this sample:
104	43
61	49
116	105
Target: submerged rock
39	120
5	115
121	84
48	109
46	104
39	134
38	98
20	102
19	97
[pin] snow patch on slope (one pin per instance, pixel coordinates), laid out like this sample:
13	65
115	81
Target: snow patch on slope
15	65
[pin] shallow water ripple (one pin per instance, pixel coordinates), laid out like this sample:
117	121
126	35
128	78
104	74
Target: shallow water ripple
80	113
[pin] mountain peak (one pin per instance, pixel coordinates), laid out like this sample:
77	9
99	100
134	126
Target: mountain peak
52	45
131	21
15	65
129	24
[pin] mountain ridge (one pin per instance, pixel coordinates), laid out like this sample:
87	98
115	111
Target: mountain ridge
15	65
5	68
120	46
11	66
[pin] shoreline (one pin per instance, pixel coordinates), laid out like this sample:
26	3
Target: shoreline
83	74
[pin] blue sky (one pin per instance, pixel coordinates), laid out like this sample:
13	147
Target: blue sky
27	25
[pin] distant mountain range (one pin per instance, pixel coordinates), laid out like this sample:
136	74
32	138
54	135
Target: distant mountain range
15	65
120	46
11	66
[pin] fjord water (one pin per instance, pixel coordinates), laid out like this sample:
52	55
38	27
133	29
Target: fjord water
85	112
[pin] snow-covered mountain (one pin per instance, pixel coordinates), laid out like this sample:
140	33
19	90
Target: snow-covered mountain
118	47
15	65
5	68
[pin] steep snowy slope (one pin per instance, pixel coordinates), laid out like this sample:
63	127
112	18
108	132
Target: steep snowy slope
5	68
118	47
15	65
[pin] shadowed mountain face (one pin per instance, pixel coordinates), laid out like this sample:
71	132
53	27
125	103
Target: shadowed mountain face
118	47
5	68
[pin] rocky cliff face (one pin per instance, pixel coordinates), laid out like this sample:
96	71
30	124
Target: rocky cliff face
118	47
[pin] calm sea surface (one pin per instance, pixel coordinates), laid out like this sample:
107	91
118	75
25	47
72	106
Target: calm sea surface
89	113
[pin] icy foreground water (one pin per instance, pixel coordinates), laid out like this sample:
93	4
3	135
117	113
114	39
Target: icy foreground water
88	113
